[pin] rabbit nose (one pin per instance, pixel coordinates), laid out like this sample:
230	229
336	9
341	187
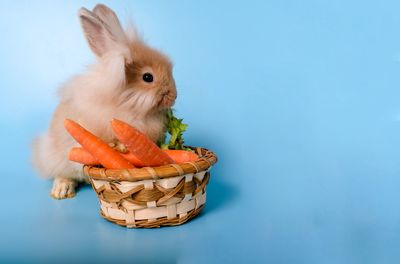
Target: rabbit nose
169	92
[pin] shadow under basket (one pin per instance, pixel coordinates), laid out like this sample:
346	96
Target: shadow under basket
153	196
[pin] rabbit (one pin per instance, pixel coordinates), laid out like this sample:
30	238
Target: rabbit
130	81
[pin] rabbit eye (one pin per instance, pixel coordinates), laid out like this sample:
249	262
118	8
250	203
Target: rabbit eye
148	77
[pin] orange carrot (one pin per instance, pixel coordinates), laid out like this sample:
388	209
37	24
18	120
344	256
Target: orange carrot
139	144
181	156
81	155
107	156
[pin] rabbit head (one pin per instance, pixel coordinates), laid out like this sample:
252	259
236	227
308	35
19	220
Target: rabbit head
131	74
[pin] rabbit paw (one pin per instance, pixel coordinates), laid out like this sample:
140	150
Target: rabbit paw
118	146
63	188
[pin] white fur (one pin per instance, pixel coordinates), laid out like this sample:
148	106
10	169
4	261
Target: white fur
88	99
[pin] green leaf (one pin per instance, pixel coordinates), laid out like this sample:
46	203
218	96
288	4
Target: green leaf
175	129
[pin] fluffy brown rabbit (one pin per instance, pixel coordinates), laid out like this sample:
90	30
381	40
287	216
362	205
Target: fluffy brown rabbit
130	81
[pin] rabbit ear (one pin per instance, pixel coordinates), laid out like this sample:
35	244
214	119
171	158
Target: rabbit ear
99	35
110	20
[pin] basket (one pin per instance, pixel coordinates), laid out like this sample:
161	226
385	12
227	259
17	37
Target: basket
153	196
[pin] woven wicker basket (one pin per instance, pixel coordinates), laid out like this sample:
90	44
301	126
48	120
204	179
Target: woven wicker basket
153	196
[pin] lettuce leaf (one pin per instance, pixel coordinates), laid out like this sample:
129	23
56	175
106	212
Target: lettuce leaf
175	129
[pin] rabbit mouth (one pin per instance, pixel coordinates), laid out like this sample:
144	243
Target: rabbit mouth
167	100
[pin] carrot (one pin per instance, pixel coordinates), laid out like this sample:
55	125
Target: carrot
181	156
107	156
81	155
139	144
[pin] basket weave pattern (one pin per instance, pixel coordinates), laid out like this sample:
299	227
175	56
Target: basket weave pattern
153	196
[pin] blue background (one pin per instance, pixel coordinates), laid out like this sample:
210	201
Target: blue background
299	99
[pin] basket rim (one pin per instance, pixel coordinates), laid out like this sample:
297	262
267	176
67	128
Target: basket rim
206	160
